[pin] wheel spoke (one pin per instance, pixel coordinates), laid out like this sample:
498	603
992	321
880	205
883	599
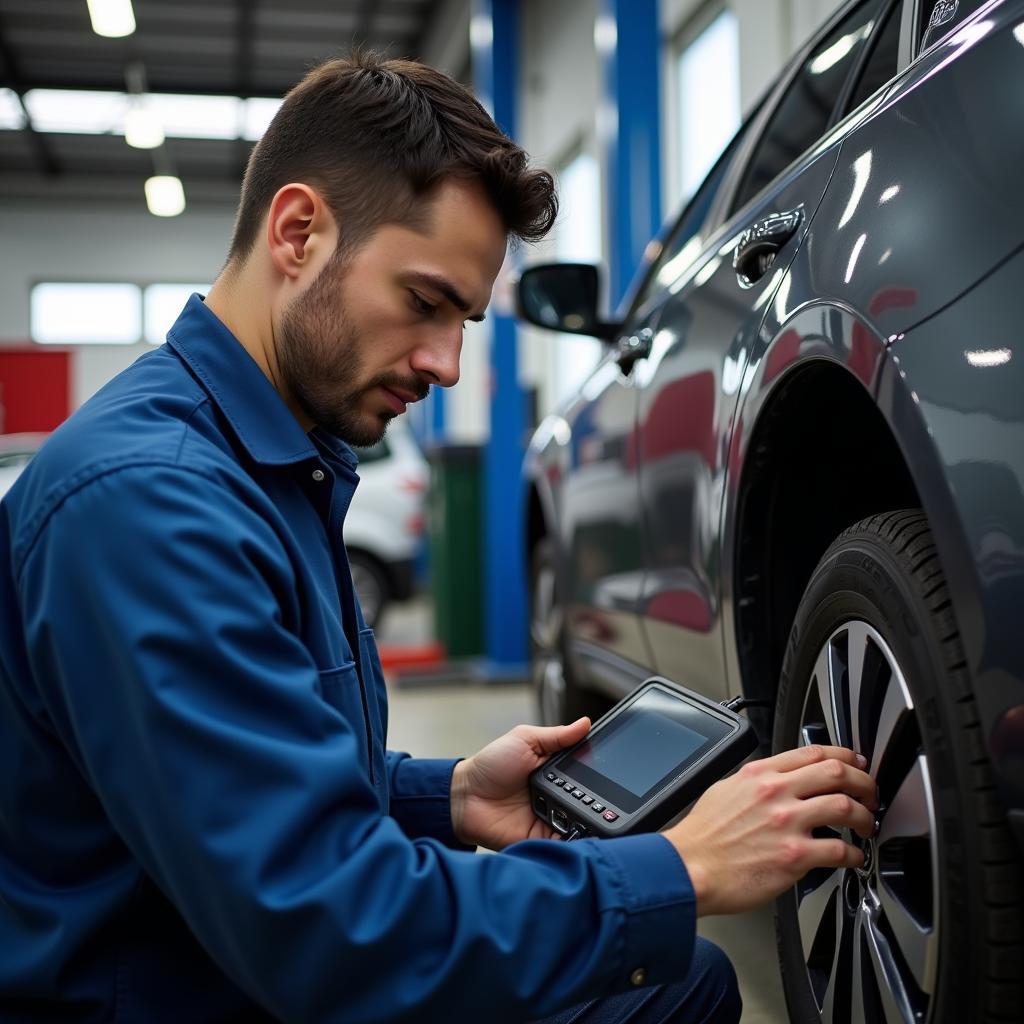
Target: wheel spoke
896	1004
830	1009
894	707
916	943
811	909
908	816
857	644
826	692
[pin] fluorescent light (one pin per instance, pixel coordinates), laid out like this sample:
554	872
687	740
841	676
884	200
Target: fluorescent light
838	50
197	117
259	113
861	173
165	196
989	357
77	111
890	193
142	129
12	117
112	18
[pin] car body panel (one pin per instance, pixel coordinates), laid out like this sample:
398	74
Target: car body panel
954	393
690	385
897	244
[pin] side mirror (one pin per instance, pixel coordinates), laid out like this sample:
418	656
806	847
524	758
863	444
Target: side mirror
562	297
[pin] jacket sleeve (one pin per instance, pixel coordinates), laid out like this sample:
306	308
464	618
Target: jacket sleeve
421	800
154	605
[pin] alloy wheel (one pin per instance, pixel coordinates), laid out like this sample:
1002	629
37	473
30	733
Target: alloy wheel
369	590
870	936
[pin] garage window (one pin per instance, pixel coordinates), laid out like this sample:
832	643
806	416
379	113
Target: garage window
73	314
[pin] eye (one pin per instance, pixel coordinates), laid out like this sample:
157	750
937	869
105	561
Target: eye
421	305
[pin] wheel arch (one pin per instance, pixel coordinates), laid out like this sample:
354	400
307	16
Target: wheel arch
815	455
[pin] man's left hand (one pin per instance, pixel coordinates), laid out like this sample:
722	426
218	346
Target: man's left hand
490	792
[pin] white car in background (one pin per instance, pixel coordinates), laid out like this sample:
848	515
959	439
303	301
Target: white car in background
384	526
15	452
385	523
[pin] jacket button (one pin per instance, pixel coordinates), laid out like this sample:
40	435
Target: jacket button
318	475
638	977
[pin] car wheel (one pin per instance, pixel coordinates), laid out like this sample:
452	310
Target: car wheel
371	584
930	929
559	699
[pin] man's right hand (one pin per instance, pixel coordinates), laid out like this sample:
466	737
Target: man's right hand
748	838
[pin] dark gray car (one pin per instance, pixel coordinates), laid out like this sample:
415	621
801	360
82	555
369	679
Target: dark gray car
798	473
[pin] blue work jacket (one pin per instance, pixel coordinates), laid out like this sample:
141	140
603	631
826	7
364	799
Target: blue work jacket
198	818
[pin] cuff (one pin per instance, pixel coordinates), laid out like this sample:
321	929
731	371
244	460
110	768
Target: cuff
421	800
652	888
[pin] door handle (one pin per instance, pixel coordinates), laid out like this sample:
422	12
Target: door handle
637	346
756	250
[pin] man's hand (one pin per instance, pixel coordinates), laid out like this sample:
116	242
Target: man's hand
749	839
490	796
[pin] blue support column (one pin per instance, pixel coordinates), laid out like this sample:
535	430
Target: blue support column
494	32
629	44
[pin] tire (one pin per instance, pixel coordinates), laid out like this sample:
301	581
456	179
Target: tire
939	903
372	586
558	697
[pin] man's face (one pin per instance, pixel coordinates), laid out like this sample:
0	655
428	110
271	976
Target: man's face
378	327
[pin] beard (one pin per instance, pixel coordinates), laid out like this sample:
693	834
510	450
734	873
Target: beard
320	360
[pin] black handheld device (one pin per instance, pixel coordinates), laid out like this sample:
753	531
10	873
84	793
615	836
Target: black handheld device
641	764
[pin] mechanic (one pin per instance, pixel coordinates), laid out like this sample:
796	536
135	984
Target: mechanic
198	818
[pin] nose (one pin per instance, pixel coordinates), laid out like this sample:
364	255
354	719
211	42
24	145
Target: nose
438	360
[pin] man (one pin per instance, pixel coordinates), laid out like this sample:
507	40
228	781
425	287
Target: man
198	818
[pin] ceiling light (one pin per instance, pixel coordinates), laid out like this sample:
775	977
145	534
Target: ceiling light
112	18
142	129
165	196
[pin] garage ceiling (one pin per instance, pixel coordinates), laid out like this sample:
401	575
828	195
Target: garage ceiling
232	48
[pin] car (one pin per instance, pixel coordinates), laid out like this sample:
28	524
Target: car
16	450
797	474
384	526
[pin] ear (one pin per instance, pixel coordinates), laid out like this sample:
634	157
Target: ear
300	230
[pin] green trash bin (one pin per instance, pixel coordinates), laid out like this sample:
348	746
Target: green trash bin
455	513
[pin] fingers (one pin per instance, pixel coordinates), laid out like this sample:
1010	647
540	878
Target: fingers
837	810
800	757
814	770
551	739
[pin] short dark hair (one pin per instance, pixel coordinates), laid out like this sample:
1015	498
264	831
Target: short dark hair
374	137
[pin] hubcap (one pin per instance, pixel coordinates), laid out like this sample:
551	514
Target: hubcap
547	671
870	936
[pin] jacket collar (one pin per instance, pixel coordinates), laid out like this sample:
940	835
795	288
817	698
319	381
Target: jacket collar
240	389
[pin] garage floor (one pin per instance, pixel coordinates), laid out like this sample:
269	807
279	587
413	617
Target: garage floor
458	720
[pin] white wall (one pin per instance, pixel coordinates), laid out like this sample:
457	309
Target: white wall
67	242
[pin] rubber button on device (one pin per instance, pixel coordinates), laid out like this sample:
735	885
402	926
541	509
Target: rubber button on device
587	799
638	977
577	794
551	776
559	782
598	808
568	787
610	816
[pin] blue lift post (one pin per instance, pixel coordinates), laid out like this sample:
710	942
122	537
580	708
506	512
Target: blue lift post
629	44
494	33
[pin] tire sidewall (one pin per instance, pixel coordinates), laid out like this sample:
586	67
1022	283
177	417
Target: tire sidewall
862	579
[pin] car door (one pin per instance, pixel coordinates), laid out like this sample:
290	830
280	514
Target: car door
689	384
600	514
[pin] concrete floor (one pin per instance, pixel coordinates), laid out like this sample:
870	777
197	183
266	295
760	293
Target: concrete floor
458	720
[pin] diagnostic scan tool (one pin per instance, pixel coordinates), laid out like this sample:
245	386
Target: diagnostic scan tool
641	764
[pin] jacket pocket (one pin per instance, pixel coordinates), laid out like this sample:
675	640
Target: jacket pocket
340	688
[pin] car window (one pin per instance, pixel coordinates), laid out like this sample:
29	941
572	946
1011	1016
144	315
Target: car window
882	62
940	17
667	267
805	111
